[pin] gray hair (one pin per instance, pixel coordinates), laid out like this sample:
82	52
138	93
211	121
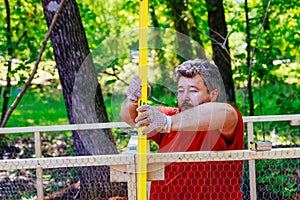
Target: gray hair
208	70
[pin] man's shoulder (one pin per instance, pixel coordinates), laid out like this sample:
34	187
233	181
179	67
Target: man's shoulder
234	107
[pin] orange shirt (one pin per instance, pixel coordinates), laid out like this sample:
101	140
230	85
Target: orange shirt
198	180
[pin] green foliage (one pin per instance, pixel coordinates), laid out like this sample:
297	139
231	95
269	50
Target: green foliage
169	98
104	20
27	32
275	50
278	98
109	26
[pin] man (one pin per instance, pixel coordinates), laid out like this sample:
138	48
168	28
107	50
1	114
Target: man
200	123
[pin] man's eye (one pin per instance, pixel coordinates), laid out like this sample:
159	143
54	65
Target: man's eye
180	91
193	91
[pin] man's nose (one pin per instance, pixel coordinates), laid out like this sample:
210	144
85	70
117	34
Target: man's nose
186	95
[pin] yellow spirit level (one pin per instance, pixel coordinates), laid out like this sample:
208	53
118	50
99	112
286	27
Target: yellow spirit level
142	72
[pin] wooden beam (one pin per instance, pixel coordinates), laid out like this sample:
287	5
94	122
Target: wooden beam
126	159
269	118
295	122
68	127
119	173
39	170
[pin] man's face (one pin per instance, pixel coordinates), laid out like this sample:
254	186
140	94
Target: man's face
192	92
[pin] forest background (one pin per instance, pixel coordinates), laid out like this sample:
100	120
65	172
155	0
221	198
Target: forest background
255	44
263	39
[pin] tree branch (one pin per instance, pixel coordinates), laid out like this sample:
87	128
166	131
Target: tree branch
223	44
257	37
116	76
6	93
250	60
153	98
21	94
20	39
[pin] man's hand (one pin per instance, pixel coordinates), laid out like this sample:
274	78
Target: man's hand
154	119
134	91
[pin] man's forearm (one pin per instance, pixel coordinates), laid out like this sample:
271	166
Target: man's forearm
128	112
205	117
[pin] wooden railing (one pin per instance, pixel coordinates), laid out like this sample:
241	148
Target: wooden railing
125	162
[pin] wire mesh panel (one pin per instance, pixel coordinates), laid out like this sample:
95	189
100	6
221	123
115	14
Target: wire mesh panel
192	179
63	178
245	186
207	180
277	179
17	184
210	174
61	182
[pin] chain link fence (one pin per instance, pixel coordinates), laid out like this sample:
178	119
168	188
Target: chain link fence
39	163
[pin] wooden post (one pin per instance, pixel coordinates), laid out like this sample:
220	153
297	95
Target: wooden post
252	173
39	170
128	173
132	182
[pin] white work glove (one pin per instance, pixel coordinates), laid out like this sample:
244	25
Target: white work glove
154	119
134	91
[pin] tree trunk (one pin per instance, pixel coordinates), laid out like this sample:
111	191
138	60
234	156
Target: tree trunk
83	97
249	78
219	39
6	91
196	34
159	45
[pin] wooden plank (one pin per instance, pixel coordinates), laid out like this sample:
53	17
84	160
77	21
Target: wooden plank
39	170
132	182
69	127
295	122
252	178
78	161
250	133
203	156
268	118
155	171
39	183
37	144
121	159
252	172
119	173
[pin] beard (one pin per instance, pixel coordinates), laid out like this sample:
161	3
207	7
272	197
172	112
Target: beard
185	106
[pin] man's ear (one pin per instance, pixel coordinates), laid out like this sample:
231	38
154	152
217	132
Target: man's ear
214	95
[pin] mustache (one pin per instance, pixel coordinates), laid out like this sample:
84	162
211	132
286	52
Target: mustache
186	104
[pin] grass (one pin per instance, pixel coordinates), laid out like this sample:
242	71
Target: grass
45	107
39	108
